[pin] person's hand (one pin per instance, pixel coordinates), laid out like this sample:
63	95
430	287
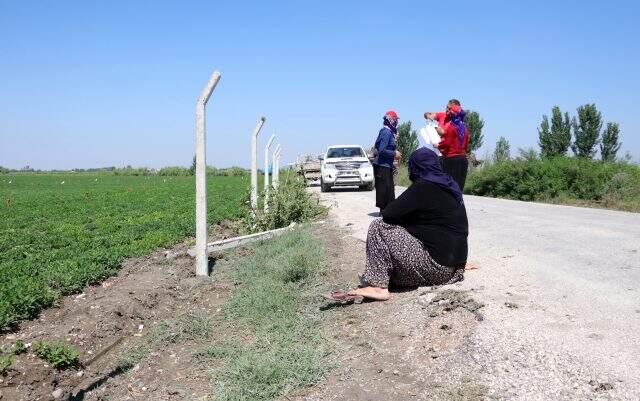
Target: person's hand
398	155
440	131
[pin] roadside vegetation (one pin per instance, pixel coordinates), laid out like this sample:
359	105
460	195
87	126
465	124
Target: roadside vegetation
59	233
550	174
289	203
270	340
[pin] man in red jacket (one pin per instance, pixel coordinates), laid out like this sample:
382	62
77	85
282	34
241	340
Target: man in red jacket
454	142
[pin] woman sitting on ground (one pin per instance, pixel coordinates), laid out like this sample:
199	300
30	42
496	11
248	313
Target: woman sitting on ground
421	239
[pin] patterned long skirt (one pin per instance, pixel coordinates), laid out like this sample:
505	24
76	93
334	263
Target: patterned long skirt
397	258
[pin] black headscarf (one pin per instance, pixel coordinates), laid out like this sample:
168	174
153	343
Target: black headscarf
425	165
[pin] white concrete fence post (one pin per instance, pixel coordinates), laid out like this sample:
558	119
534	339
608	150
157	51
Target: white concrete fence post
276	169
254	163
202	260
274	176
266	172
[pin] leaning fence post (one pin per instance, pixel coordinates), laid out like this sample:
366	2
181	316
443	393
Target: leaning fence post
266	172
254	164
202	262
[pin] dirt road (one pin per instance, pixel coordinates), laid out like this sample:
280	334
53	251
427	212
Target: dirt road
560	287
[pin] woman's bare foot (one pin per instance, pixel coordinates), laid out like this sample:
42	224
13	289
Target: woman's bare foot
471	266
375	293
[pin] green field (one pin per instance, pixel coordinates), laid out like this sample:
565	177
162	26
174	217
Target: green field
60	232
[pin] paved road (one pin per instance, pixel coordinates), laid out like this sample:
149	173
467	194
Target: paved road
562	292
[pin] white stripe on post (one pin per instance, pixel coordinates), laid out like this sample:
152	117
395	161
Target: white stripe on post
202	262
266	172
254	163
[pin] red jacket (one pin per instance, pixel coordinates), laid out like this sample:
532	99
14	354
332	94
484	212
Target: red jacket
450	145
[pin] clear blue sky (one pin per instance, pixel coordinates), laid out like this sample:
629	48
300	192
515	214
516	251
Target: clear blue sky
99	83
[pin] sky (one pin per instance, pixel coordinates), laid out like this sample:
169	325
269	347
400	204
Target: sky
113	83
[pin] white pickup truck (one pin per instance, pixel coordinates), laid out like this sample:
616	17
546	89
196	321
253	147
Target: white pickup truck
346	165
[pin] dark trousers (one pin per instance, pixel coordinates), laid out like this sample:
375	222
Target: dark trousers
456	167
385	190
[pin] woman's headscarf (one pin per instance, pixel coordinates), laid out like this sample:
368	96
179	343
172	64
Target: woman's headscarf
425	165
456	117
390	120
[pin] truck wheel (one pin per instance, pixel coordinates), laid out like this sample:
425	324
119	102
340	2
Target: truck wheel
370	187
324	187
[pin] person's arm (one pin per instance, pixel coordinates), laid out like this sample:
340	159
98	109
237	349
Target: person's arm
401	207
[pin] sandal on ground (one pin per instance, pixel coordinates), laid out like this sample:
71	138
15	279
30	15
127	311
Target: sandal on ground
340	296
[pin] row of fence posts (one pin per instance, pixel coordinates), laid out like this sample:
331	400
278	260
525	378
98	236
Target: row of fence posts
202	260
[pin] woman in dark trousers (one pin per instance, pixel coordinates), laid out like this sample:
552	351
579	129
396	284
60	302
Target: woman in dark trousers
454	142
386	153
421	239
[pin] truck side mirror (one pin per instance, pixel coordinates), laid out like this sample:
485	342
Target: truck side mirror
320	157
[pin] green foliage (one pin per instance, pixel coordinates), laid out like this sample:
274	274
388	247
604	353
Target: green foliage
57	238
5	362
407	141
528	154
555	140
19	347
58	354
289	203
609	184
502	152
192	169
586	130
173	171
610	142
275	307
474	125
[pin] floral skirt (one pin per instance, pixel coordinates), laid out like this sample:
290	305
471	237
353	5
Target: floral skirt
397	258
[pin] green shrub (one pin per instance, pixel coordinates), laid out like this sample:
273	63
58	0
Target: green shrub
5	363
58	354
612	184
289	203
19	348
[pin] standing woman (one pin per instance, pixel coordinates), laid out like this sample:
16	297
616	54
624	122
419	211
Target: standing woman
454	142
383	164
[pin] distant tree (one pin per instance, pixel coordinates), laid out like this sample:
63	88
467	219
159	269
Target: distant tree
527	154
407	140
192	169
610	144
474	125
502	152
586	131
545	140
560	131
554	140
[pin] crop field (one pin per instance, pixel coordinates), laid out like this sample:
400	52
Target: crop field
59	233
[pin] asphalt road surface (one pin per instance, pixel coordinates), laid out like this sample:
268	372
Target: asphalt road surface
561	287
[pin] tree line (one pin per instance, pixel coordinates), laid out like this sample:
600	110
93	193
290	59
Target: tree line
583	134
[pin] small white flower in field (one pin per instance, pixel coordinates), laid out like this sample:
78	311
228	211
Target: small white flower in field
96	179
10	181
62	183
164	180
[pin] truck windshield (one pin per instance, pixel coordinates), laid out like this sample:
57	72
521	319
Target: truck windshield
344	152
